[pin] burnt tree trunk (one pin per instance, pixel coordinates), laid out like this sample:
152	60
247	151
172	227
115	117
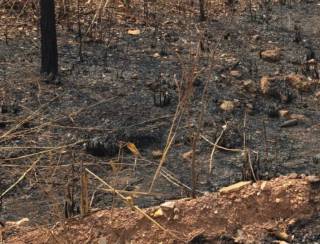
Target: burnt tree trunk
202	16
49	53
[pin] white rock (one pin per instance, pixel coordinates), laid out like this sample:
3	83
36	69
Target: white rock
168	205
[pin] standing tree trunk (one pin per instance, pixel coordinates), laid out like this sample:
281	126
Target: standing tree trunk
202	16
49	53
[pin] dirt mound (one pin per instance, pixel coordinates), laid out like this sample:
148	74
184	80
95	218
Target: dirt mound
281	209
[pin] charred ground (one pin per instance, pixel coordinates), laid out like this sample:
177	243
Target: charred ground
109	97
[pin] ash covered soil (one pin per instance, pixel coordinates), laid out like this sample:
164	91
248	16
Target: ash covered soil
271	98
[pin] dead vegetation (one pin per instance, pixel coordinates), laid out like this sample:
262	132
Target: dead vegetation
155	100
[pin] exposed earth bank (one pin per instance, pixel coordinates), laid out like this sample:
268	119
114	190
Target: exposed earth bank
284	209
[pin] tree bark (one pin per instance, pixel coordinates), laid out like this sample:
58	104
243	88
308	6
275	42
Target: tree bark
49	53
202	16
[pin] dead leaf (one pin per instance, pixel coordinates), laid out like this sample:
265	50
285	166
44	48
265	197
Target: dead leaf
133	149
158	213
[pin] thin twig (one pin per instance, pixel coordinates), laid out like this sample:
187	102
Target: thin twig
220	147
21	177
214	148
136	192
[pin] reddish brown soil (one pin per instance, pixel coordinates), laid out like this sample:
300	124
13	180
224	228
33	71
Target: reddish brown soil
253	214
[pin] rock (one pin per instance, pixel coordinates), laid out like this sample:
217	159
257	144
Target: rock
313	179
176	217
235	73
249	85
19	222
299	117
283	113
289	123
283	236
168	205
157	154
235	187
265	84
263	185
317	94
227	106
156	55
293	176
271	55
299	82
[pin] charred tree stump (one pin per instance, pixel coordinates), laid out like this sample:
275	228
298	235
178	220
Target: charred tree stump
49	52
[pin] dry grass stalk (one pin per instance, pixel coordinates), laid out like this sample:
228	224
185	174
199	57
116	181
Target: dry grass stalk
84	198
44	151
25	120
196	139
184	94
215	147
136	193
128	202
21	177
221	147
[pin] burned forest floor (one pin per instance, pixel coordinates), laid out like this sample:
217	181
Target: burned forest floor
240	100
